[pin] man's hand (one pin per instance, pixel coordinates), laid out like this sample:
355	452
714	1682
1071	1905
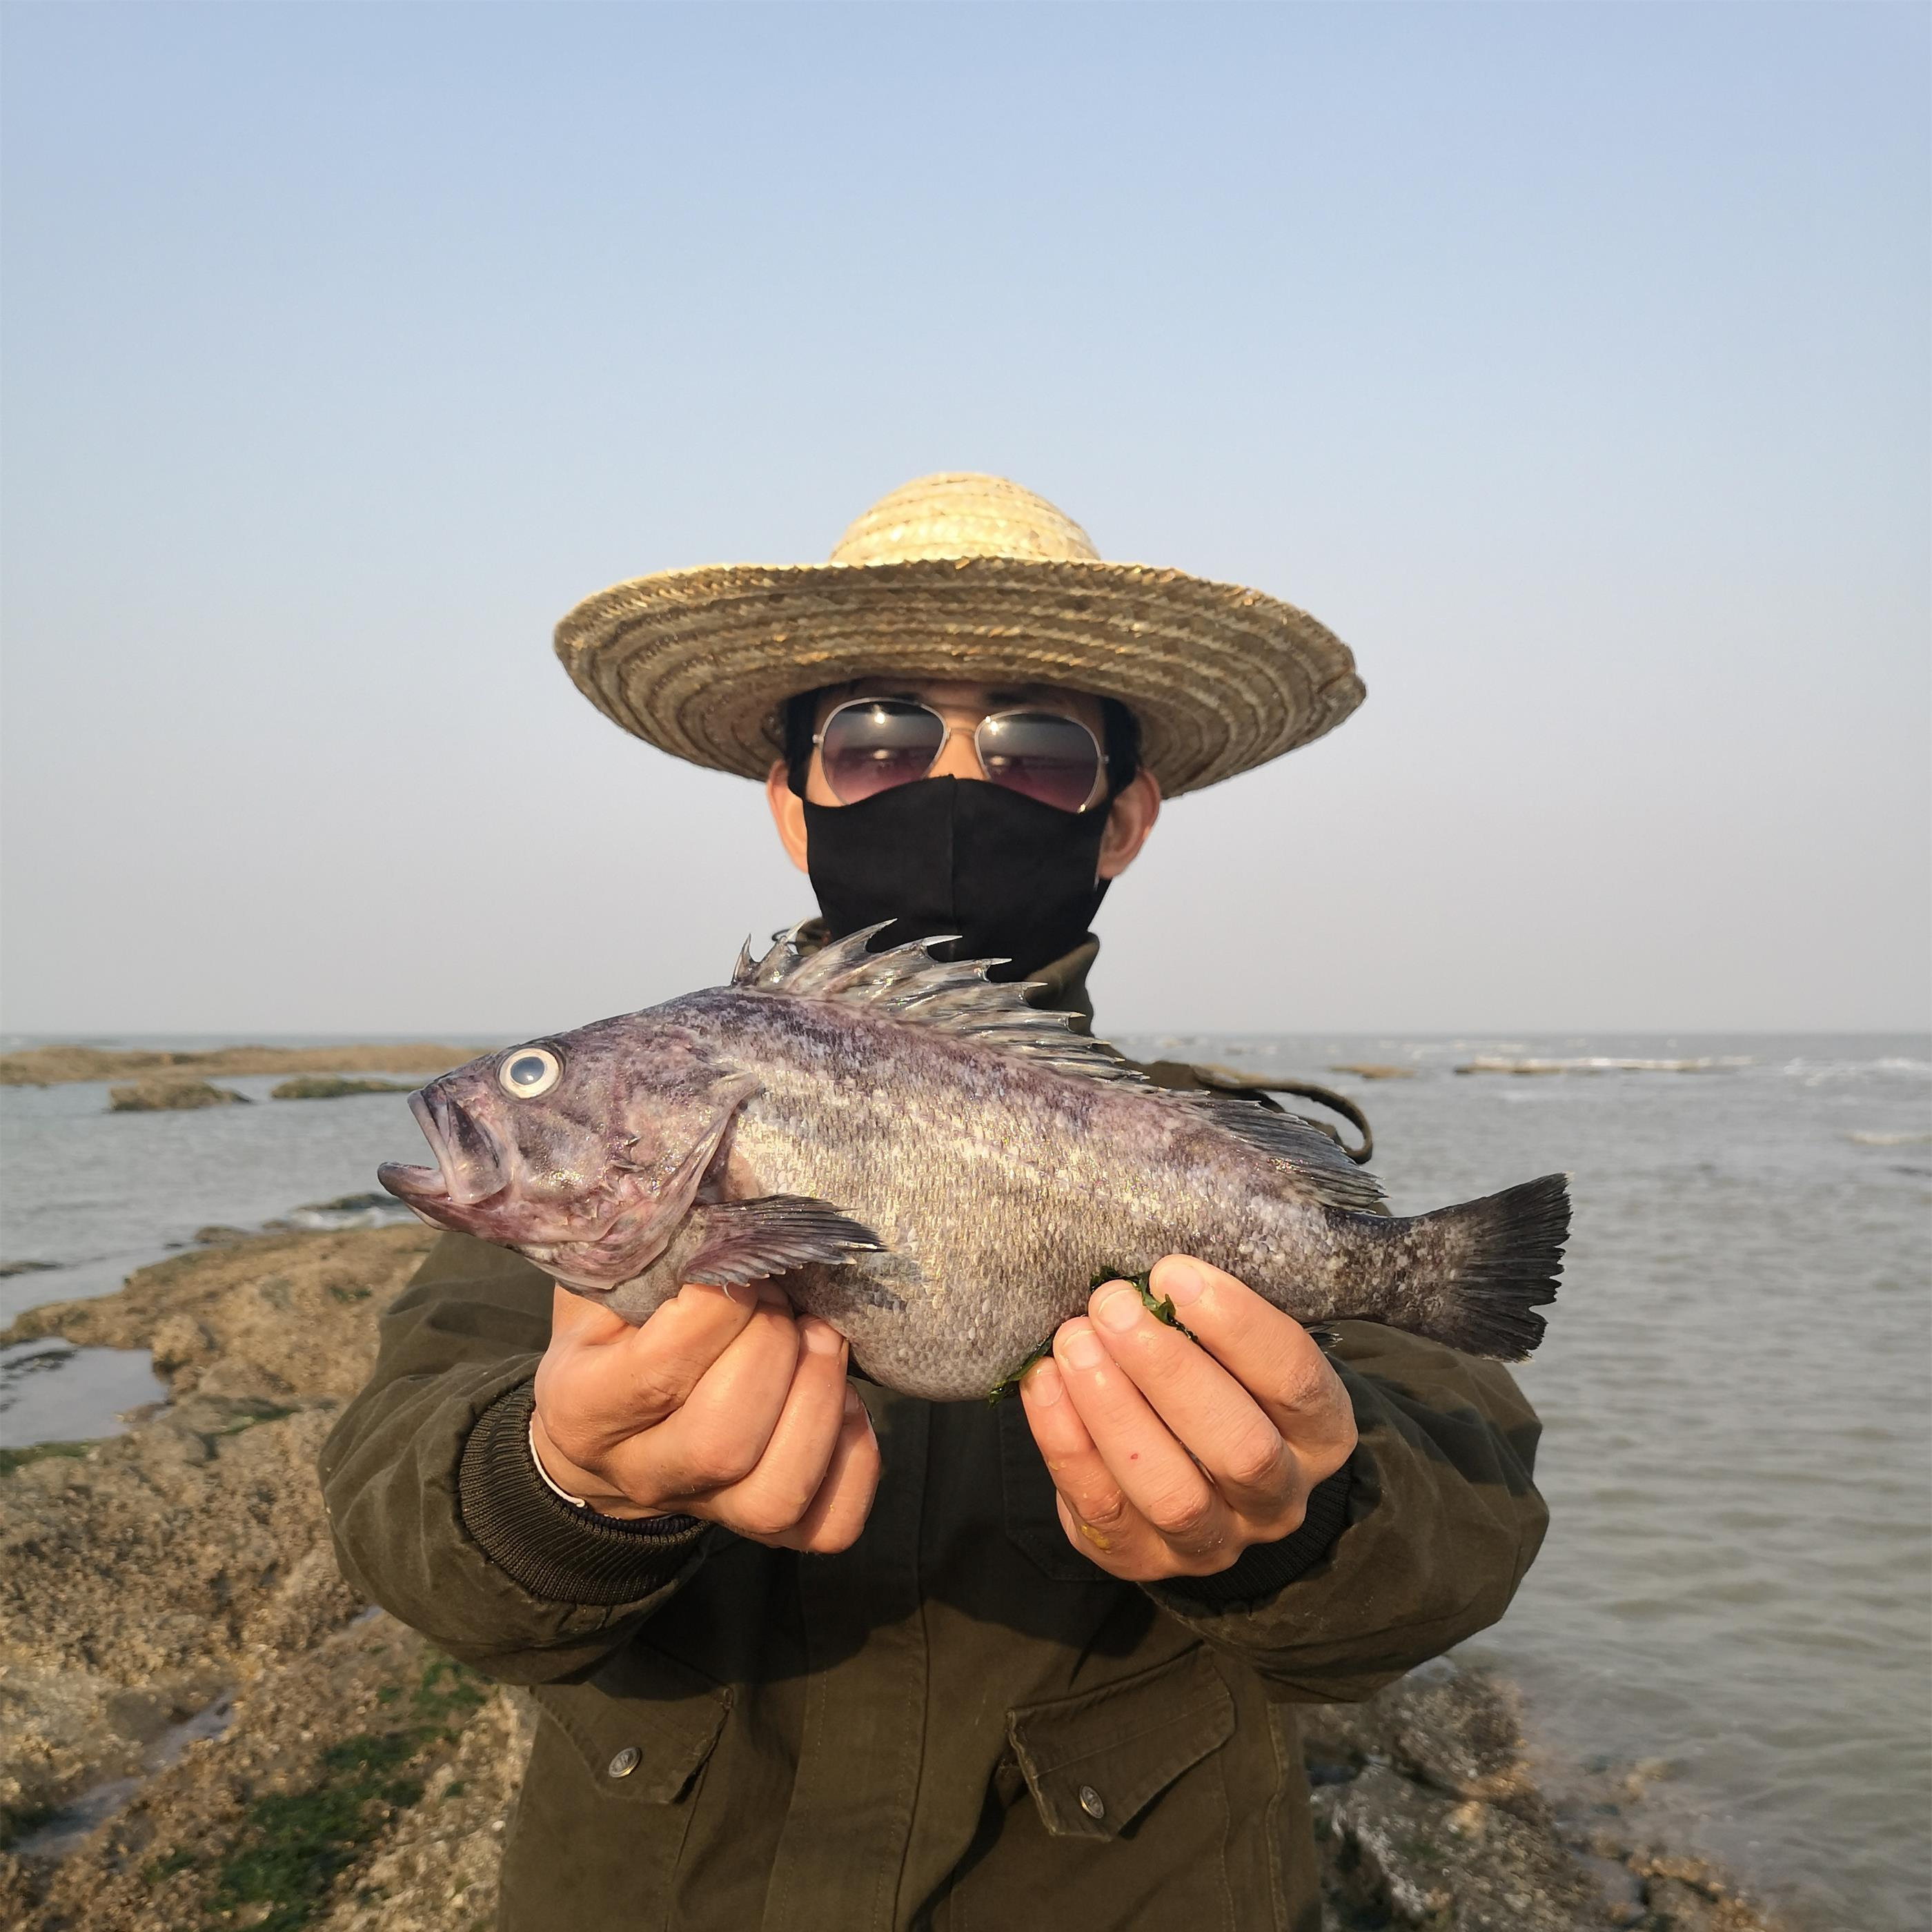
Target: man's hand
1171	1459
721	1406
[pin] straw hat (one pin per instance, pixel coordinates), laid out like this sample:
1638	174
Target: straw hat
967	577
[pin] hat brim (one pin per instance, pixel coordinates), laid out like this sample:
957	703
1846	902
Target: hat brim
700	662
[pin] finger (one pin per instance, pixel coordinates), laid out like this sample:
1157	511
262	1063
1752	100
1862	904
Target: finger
1157	1475
1099	1521
716	1436
1207	1410
601	1382
582	1320
1270	1354
780	1488
838	1513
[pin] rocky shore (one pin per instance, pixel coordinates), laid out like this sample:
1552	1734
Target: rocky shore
55	1066
200	1725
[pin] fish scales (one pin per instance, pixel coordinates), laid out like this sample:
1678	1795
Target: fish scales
935	1168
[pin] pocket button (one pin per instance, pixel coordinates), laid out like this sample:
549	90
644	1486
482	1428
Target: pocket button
1092	1803
626	1762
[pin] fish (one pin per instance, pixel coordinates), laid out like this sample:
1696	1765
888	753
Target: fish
939	1170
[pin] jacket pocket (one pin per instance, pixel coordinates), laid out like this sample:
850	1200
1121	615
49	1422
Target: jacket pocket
629	1744
1094	1763
642	1727
1033	1520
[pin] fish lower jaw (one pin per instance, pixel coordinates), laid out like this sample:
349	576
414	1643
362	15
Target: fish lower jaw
410	1185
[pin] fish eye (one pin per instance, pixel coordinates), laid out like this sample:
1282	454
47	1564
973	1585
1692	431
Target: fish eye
528	1072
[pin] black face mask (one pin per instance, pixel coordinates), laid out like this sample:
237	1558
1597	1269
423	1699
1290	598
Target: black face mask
1014	877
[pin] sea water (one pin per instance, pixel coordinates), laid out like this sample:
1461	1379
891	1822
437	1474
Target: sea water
1736	1388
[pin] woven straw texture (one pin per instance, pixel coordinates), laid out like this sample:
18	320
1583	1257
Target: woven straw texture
969	577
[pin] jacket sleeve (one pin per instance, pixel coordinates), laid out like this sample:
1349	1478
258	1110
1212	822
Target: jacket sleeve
437	1508
1425	1534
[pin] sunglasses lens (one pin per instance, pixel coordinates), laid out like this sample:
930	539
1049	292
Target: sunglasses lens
1043	755
870	747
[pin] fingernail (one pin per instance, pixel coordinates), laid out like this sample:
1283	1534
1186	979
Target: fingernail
1081	1346
853	1403
1118	1308
1042	1383
821	1337
1181	1282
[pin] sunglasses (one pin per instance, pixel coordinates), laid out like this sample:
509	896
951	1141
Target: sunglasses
870	745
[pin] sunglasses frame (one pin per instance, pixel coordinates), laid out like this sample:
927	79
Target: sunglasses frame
950	731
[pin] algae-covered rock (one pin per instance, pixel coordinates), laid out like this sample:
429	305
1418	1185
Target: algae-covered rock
333	1087
51	1065
166	1096
362	1781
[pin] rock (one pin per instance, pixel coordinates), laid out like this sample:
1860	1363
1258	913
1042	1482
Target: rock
1458	1732
147	1572
348	1203
1678	1905
1601	1064
218	1231
333	1087
1402	1850
1373	1070
279	1313
143	1577
53	1066
160	1097
9	1269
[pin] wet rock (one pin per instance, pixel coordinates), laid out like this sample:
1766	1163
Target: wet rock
141	1577
1400	1848
9	1269
278	1313
1458	1732
333	1087
145	1571
53	1066
1374	1070
162	1097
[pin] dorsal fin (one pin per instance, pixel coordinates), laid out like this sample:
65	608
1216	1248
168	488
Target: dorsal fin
906	983
1321	1163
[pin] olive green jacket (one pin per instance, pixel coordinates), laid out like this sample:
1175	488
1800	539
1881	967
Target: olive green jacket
957	1723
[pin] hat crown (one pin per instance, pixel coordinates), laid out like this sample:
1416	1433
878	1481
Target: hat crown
959	513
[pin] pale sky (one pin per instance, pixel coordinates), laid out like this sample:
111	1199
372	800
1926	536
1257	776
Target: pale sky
1571	362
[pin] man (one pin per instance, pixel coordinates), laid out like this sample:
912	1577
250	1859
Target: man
810	1654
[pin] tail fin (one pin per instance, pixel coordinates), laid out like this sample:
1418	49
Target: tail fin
1484	1267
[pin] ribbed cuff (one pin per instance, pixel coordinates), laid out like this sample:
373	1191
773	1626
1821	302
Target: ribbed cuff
1263	1568
559	1553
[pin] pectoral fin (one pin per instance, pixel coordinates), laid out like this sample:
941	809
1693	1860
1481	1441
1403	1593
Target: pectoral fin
739	1241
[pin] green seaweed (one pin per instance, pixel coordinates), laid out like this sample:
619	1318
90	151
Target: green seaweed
333	1087
292	1846
266	1411
446	1690
1161	1310
11	1459
1006	1385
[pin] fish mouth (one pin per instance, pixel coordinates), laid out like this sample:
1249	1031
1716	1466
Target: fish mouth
469	1165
